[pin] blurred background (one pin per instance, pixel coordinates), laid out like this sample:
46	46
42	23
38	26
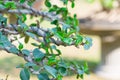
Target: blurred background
99	20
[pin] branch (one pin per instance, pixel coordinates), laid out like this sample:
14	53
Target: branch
41	32
30	10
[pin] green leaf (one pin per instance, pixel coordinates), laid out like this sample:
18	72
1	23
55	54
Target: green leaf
79	40
47	3
80	71
52	60
55	22
26	40
3	20
24	18
31	35
65	1
43	76
22	1
29	64
24	74
86	69
73	4
54	8
59	77
33	24
35	44
62	71
14	50
20	47
68	40
10	4
38	55
65	27
51	70
76	21
26	52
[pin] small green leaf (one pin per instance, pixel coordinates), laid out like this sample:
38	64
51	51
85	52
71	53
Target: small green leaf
14	50
43	76
3	20
47	3
55	22
73	4
79	40
54	8
29	64
62	71
38	55
65	1
35	44
51	70
26	40
24	74
22	1
20	47
86	69
68	40
26	52
24	18
10	4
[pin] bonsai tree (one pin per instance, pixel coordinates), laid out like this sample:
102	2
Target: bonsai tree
44	60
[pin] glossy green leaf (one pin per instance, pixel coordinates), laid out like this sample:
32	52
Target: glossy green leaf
54	8
68	40
26	52
43	76
65	1
24	74
35	44
29	64
20	46
10	4
38	55
79	40
55	22
62	71
47	3
3	20
24	18
73	4
51	70
22	1
86	69
14	50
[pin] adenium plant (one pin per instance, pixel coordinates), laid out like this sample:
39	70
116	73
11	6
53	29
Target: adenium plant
44	60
